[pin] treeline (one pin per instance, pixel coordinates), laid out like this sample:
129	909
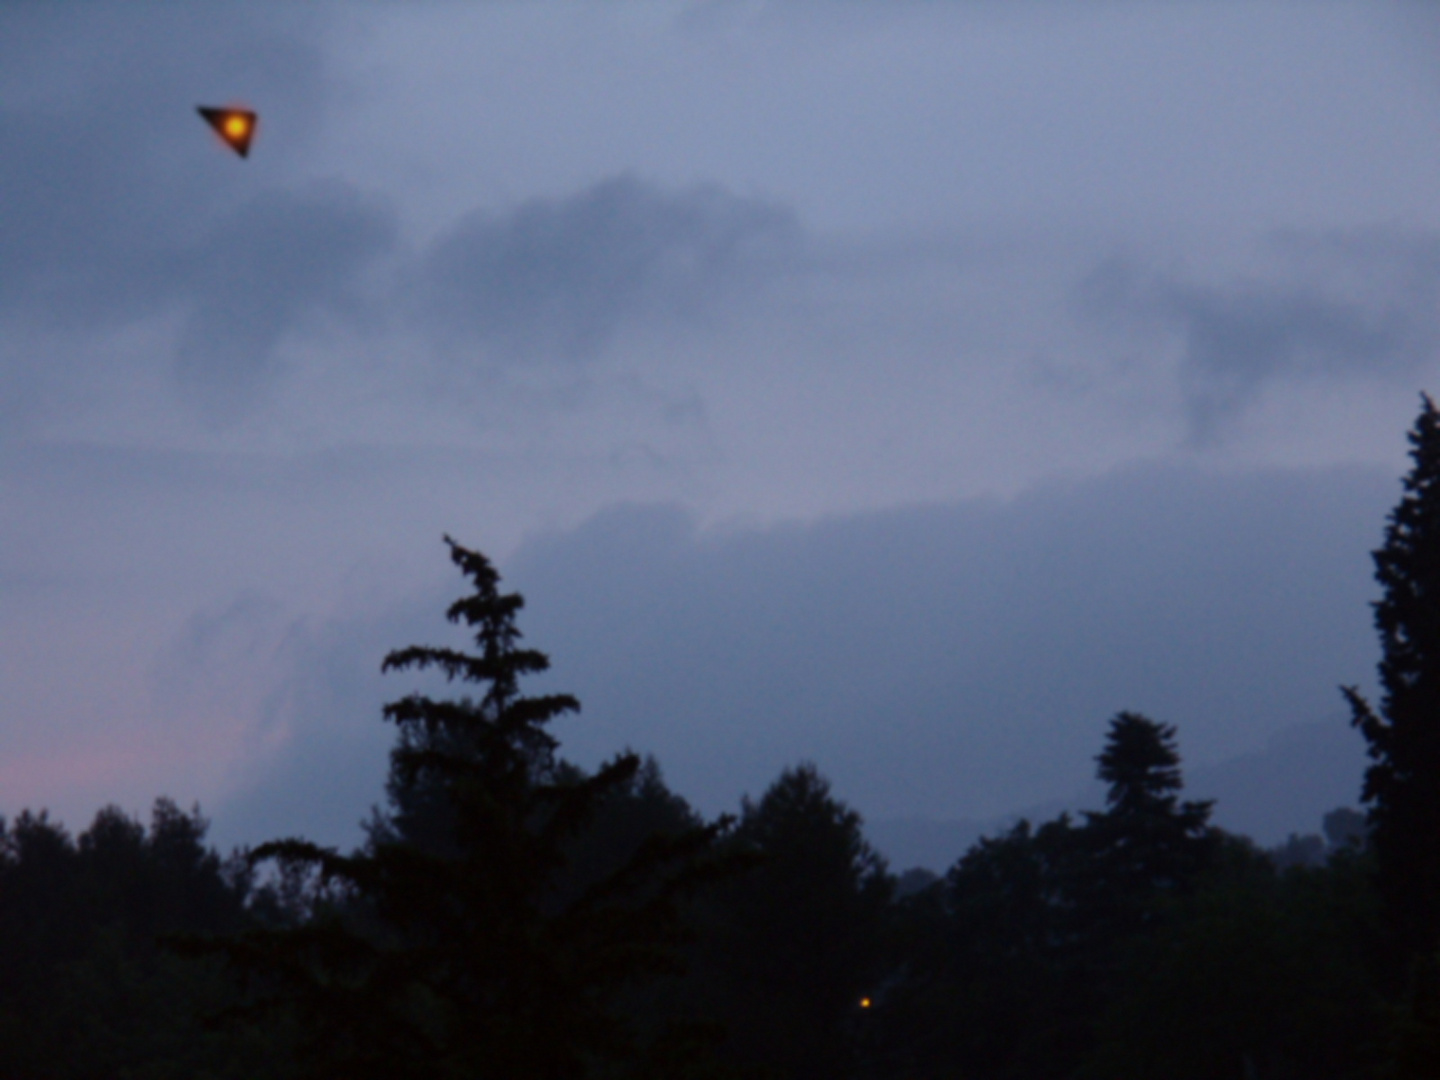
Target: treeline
511	915
1137	942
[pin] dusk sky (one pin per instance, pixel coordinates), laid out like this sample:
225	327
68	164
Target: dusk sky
905	387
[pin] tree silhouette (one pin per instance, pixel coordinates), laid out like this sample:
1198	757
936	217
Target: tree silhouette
1147	841
1014	954
1039	917
446	947
795	943
1257	972
1402	784
85	988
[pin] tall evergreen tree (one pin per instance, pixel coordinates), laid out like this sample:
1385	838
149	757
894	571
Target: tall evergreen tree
1402	784
1038	918
447	947
1146	841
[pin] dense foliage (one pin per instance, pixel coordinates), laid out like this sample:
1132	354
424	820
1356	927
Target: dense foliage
87	988
512	915
459	942
1404	737
1402	785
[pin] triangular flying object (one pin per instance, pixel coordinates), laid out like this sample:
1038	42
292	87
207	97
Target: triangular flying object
235	126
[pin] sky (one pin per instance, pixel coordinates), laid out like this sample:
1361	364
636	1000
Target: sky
906	388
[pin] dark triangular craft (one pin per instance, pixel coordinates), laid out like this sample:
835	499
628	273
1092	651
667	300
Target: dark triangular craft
235	126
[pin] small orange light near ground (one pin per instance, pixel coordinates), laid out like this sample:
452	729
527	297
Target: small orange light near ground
864	1003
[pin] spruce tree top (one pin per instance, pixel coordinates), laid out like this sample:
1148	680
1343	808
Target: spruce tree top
500	663
451	947
462	766
1141	765
1146	839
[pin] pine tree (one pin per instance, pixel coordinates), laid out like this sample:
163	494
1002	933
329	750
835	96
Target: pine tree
445	948
1146	841
1039	917
1402	784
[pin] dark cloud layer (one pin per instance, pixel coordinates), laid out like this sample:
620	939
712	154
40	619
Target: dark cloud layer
331	765
966	656
555	278
323	714
1235	342
945	661
1345	306
109	174
119	207
282	258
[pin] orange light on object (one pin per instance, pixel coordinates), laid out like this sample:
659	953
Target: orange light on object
235	126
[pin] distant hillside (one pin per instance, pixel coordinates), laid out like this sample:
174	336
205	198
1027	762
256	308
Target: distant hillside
1304	771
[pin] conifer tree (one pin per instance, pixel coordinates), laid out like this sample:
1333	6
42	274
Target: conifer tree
443	948
1146	840
1402	784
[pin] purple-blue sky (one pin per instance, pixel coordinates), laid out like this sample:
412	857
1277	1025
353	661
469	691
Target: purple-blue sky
906	387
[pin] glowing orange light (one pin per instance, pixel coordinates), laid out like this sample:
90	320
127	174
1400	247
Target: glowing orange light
236	126
864	1003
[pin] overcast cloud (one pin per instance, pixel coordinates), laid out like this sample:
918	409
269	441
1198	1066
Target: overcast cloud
1011	364
1356	306
554	278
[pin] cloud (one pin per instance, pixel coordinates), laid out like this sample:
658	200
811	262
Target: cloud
283	258
318	757
961	660
556	278
105	170
1341	306
119	208
949	661
1235	341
